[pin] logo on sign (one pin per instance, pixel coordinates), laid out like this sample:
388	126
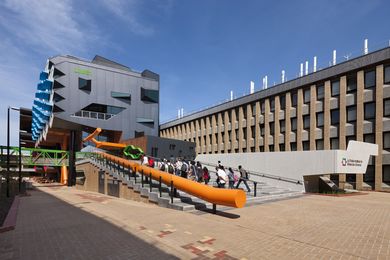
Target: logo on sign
344	161
351	162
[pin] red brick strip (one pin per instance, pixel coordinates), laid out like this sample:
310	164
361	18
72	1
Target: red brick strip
10	220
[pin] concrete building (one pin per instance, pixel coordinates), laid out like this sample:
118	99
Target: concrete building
319	111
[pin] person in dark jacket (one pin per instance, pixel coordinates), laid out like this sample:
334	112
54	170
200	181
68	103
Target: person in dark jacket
243	178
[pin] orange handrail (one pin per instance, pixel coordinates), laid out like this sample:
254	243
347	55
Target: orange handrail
228	197
101	144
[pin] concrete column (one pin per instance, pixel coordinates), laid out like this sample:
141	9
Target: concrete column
313	119
379	126
287	120
343	122
202	135
197	137
240	129
220	130
326	128
276	124
359	118
179	132
207	133
257	127
266	125
248	127
234	137
299	120
214	128
226	123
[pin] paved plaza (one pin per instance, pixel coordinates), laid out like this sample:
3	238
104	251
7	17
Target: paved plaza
64	223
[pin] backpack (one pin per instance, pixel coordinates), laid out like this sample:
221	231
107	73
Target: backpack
151	162
184	167
170	168
162	168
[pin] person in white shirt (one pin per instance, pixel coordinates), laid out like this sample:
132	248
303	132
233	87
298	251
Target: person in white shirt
222	177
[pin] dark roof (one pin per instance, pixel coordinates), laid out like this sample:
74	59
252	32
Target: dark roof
106	62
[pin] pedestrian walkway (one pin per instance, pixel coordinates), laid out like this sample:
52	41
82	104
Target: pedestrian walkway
65	223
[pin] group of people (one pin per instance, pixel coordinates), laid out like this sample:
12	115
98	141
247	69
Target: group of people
194	171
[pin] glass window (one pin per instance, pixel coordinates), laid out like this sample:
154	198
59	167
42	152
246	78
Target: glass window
387	75
149	95
262	130
351	113
320	92
334	116
369	79
386	107
320	119
294	99
306	145
272	128
282	147
282	102
262	107
369	110
254	109
293	146
386	141
253	131
85	84
351	83
350	138
306	122
306	96
386	173
282	124
261	148
334	143
335	88
369	176
293	124
272	104
369	138
271	148
319	144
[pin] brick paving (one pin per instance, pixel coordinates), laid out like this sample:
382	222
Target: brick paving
65	223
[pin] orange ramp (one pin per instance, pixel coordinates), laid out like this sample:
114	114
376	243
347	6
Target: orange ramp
227	197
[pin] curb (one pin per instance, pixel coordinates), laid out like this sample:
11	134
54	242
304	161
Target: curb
10	220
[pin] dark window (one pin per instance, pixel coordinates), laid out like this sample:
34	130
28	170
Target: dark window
282	124
293	146
253	131
254	109
306	96
319	144
282	102
334	116
262	107
125	97
351	113
369	110
334	143
386	107
271	148
261	148
369	79
369	138
293	124
320	92
386	173
149	95
320	119
369	176
282	147
386	141
272	104
85	84
138	134
351	83
272	128
294	99
306	122
103	109
262	130
306	145
335	88
387	75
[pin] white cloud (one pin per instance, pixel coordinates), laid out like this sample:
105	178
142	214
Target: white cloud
127	11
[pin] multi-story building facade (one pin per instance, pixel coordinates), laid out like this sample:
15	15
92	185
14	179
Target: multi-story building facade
322	110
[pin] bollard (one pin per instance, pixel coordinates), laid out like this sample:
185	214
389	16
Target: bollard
150	182
255	191
171	193
159	185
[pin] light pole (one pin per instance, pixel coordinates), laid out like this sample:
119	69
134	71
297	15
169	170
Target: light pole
8	155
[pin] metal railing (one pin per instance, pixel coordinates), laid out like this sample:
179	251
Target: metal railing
93	115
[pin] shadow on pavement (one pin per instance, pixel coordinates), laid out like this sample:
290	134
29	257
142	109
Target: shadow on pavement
49	228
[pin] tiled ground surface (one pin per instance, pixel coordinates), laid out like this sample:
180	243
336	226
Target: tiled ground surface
65	223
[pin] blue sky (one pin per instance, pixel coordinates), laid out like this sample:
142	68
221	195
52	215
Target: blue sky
201	49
